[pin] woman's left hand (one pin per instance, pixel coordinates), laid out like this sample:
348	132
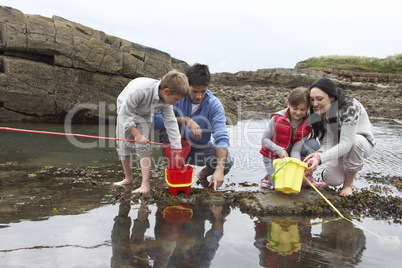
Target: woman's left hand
312	163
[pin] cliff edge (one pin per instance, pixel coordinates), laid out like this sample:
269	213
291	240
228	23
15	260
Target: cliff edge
52	69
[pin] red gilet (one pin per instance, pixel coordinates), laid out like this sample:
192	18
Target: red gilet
283	133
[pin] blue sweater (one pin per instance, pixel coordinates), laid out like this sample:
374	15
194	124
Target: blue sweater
210	116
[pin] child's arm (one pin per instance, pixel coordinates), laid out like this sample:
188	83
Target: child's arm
191	124
297	147
266	139
127	111
172	128
138	137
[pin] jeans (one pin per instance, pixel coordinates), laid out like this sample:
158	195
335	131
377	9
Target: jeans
202	155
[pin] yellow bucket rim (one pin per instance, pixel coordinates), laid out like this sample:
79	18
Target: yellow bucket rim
281	161
179	185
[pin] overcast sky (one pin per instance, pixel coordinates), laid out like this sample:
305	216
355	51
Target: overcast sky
231	35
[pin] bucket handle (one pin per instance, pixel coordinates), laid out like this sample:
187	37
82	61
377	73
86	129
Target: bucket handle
179	185
273	175
179	207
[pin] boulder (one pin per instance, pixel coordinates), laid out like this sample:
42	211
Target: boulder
51	68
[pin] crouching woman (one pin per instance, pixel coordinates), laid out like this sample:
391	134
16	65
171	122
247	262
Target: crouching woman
345	133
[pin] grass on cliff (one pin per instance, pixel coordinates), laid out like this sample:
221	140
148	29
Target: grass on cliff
391	64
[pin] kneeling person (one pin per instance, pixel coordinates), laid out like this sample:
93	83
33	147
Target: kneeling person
201	117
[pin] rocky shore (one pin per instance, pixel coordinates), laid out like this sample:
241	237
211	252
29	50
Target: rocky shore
36	194
52	69
254	95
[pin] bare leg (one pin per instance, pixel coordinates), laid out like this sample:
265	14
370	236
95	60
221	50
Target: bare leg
128	172
145	163
348	184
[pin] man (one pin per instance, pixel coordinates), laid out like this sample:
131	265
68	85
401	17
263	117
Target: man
202	121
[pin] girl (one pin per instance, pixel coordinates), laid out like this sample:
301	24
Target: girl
287	135
346	136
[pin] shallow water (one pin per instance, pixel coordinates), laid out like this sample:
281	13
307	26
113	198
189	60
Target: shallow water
101	239
245	142
66	222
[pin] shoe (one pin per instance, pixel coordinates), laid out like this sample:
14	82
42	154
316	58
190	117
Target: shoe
308	176
318	185
266	182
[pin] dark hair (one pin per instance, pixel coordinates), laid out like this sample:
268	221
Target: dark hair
198	75
340	100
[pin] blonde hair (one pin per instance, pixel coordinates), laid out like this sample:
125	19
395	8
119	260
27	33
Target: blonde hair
176	82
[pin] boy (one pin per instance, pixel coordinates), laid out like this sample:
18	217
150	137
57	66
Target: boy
136	104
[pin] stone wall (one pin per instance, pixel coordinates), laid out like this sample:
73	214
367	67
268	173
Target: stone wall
48	66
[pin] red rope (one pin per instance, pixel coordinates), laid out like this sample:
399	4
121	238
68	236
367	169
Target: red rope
70	134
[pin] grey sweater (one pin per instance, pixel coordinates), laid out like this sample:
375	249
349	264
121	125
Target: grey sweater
352	120
139	100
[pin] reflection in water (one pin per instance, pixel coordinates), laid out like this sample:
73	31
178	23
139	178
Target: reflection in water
282	241
129	250
342	242
179	238
289	243
41	179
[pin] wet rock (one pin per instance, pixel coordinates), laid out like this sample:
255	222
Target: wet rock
62	191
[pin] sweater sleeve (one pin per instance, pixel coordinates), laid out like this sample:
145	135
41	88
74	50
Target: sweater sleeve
172	128
349	121
266	139
127	113
297	147
218	122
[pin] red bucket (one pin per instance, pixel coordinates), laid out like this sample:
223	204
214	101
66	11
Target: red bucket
175	216
179	179
180	213
177	157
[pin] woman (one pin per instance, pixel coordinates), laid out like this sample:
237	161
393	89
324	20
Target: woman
345	133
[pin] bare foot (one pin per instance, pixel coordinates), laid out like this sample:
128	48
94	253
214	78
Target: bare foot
123	182
346	191
141	190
